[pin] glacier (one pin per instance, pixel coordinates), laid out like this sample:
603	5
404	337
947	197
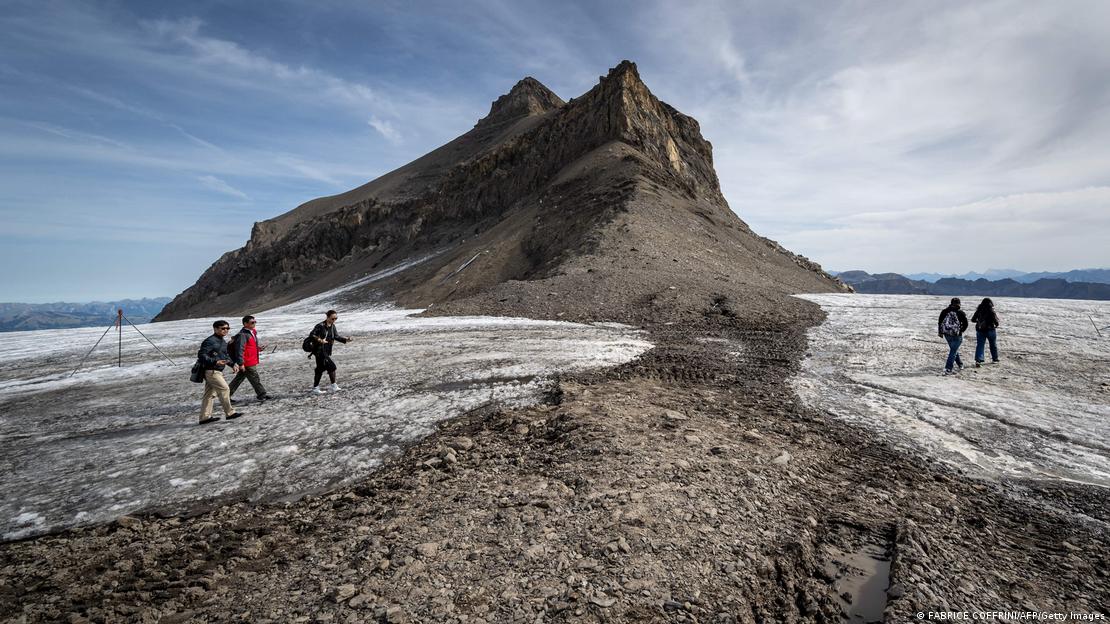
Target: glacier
1042	412
108	441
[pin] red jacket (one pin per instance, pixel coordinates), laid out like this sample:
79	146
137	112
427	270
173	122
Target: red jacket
247	354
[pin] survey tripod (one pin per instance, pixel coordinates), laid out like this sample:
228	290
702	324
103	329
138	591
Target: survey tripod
118	326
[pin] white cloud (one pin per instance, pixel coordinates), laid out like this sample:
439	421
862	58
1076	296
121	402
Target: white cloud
892	109
386	129
1048	231
220	186
223	55
77	135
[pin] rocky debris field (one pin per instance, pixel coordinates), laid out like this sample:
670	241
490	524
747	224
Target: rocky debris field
686	486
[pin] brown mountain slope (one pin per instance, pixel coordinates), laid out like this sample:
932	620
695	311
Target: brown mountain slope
611	197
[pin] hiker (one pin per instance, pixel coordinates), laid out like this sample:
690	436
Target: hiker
244	352
951	326
325	335
213	357
986	321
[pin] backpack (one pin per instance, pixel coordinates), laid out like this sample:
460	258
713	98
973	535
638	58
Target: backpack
196	374
951	324
233	348
309	344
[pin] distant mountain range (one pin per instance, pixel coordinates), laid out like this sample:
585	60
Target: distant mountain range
1097	276
895	284
31	316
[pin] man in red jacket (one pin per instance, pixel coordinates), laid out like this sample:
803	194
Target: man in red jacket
244	352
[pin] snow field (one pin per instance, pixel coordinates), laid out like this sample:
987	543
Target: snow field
1043	412
108	441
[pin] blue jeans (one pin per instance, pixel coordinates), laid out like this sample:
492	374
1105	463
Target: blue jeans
954	343
982	337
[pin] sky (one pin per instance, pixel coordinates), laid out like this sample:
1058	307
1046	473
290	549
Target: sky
139	141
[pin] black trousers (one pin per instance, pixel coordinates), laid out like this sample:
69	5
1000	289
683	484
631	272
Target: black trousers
250	374
323	363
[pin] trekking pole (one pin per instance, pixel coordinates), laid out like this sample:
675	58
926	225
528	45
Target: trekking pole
93	349
1095	325
148	340
119	324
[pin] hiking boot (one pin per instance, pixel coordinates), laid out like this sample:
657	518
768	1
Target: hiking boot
317	390
233	416
335	387
210	419
234	401
978	363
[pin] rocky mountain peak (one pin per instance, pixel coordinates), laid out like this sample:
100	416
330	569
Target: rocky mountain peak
624	109
527	97
624	75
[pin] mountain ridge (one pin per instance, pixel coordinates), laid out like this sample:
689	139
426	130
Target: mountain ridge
1045	288
1093	275
526	195
62	314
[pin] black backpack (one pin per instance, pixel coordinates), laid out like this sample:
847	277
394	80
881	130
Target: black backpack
196	374
309	345
233	348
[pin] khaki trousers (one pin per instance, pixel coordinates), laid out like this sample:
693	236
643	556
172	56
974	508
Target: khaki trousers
215	386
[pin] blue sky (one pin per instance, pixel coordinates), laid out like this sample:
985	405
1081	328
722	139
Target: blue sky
140	141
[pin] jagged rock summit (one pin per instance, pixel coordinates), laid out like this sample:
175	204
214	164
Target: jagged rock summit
606	207
527	97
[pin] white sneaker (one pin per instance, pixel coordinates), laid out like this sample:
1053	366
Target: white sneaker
335	387
317	390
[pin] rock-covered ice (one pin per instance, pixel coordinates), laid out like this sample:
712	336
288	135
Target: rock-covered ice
108	441
1043	412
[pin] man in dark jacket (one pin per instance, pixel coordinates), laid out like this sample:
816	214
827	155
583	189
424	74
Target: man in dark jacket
951	326
326	335
213	357
245	354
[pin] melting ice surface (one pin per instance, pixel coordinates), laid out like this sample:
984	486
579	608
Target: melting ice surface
109	441
1043	412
